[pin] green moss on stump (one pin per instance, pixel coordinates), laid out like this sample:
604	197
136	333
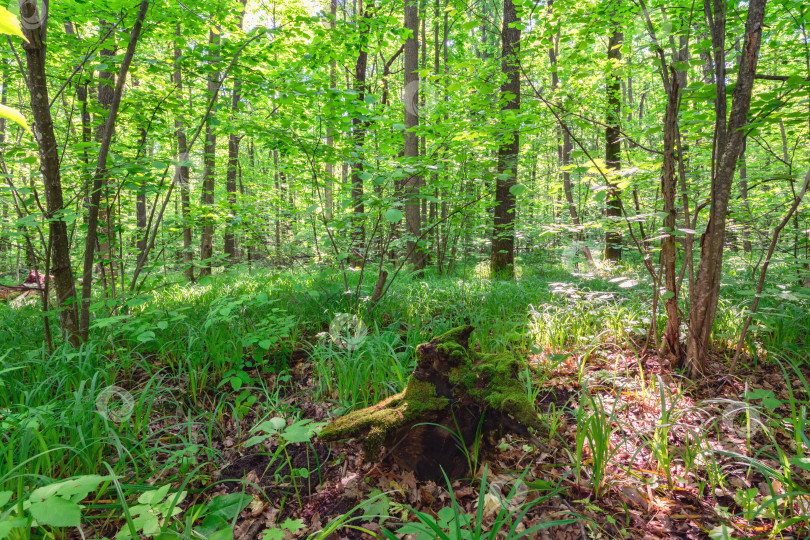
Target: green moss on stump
447	373
376	422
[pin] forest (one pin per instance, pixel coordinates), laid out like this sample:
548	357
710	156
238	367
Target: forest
404	269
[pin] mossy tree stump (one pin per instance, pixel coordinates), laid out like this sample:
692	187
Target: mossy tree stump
452	391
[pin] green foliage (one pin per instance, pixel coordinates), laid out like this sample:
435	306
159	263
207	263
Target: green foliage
452	523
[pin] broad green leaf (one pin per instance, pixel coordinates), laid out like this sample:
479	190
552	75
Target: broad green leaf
154	496
9	24
802	462
301	431
517	190
228	506
378	507
80	486
273	534
222	534
392	215
293	525
721	532
13	115
7	526
56	512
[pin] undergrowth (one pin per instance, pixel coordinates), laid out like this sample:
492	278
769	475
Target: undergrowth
192	355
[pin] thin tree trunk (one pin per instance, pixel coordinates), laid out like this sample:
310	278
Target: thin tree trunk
229	235
49	167
671	344
279	203
181	169
729	141
330	139
358	236
413	218
502	258
613	147
209	169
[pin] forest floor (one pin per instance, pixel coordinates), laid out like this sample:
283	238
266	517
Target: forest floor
636	450
639	498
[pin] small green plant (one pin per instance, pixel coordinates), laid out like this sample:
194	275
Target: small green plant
452	523
151	513
594	430
52	507
300	431
343	521
288	526
659	446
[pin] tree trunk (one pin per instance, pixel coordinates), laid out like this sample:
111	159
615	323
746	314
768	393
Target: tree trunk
502	258
279	203
729	140
613	147
49	167
671	346
229	236
106	91
209	169
230	187
359	127
181	169
413	217
330	139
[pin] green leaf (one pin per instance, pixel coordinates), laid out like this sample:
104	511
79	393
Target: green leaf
228	506
13	114
72	488
301	431
154	496
721	532
378	507
273	534
517	190
7	526
56	512
771	403
9	24
143	337
759	393
392	215
446	516
293	525
667	295
5	496
803	462
222	534
399	127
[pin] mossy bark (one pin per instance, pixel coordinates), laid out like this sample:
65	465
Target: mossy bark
453	393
